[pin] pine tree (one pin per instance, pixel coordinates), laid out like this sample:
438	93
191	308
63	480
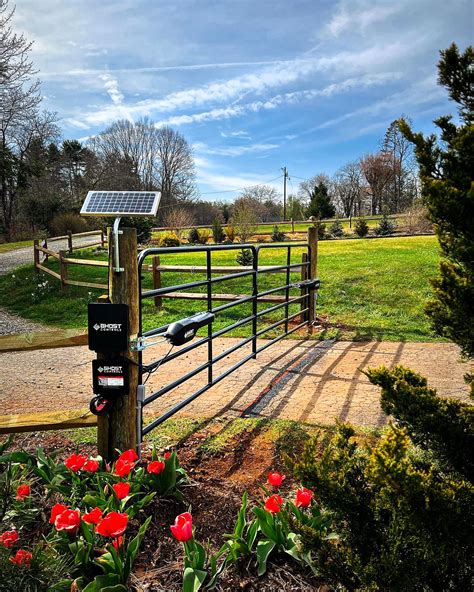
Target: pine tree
320	204
446	169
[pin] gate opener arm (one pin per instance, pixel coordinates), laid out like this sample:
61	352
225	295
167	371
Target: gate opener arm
179	332
308	284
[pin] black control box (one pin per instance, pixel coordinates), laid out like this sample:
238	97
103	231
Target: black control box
110	377
108	327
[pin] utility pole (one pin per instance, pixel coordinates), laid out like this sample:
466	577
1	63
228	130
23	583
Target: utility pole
285	177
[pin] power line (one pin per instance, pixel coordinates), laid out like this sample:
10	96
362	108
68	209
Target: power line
301	178
239	188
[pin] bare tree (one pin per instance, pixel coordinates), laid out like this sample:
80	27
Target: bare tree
244	218
267	202
378	170
176	174
348	189
405	171
161	157
178	219
20	120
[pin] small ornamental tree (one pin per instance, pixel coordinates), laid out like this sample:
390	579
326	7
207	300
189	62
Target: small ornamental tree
320	204
277	235
446	169
385	227
217	231
361	228
244	257
193	236
336	229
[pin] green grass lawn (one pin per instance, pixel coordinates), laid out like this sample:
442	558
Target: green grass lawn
5	247
371	289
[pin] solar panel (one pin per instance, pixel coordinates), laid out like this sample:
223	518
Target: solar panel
121	203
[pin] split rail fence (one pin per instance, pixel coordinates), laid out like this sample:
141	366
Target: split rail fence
65	260
157	270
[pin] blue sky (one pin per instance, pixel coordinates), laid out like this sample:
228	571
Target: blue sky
252	84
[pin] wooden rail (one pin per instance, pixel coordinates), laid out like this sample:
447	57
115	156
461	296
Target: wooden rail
64	261
44	340
56	420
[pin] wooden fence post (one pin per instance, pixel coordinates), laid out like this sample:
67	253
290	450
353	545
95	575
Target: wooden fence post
63	270
313	268
69	241
118	430
304	276
292	226
157	281
36	254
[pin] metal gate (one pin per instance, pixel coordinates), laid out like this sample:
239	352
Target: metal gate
307	287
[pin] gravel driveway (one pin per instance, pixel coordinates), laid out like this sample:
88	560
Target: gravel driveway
12	324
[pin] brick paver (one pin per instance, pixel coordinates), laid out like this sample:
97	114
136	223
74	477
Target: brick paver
306	380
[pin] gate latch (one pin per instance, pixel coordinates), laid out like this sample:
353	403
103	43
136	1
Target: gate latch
309	284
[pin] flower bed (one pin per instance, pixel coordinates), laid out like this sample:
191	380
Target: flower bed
81	525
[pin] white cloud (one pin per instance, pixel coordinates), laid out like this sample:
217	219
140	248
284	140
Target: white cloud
202	148
111	85
259	83
418	94
359	15
237	134
291	98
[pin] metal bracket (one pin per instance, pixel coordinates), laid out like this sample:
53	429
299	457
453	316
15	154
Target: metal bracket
141	343
116	232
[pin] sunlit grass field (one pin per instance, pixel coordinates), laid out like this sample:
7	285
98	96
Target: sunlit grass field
370	289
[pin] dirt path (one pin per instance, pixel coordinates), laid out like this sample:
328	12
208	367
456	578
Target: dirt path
315	382
13	259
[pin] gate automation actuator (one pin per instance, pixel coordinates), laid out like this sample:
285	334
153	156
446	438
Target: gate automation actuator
179	332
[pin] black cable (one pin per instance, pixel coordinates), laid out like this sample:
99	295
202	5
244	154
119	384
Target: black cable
156	367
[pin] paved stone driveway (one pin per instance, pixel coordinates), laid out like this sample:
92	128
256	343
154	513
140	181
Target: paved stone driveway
304	380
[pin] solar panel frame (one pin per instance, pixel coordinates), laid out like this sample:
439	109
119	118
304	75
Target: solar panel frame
121	203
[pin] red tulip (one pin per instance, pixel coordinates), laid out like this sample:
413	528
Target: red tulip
22	557
182	528
93	517
166	455
22	491
75	462
273	504
121	489
123	467
117	543
129	455
91	465
9	538
113	525
275	479
303	497
69	521
156	467
55	511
